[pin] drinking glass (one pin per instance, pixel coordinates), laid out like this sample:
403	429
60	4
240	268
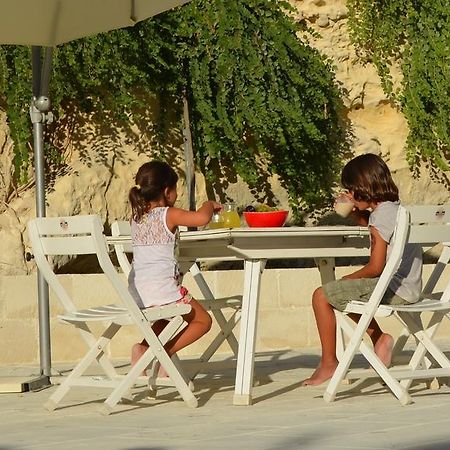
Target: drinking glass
216	221
343	205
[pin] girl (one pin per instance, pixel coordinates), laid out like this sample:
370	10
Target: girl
375	197
155	278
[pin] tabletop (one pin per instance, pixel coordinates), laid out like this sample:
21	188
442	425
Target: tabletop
274	243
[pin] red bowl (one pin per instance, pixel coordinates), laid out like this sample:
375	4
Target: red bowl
266	219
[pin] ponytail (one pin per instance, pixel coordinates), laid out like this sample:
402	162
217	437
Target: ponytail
138	203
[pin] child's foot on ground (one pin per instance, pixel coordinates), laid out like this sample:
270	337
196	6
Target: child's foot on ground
136	352
383	348
321	374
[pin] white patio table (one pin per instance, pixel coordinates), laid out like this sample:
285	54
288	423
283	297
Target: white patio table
255	246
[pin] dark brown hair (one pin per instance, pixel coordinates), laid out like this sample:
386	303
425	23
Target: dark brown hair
370	179
152	179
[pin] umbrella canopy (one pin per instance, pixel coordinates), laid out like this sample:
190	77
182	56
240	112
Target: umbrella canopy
48	23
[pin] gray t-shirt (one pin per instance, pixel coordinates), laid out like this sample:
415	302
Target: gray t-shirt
407	281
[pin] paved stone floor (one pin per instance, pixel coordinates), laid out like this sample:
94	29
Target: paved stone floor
283	416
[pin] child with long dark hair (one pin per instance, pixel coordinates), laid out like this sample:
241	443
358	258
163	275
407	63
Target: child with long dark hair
155	278
375	197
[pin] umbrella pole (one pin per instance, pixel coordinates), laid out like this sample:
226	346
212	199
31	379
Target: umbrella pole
39	116
43	294
188	154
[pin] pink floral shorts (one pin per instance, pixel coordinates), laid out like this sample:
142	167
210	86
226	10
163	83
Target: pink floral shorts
185	296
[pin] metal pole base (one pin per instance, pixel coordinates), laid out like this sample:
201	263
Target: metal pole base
23	384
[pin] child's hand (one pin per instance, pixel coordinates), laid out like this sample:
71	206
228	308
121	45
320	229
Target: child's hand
216	206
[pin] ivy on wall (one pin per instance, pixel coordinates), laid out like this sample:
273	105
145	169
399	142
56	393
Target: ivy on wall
414	36
262	101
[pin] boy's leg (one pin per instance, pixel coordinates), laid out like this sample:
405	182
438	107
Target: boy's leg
383	343
326	326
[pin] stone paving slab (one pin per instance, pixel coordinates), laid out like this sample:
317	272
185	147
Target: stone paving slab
284	416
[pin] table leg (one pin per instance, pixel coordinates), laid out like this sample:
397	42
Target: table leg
326	268
246	353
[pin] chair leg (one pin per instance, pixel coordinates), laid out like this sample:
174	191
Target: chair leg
90	340
344	362
155	351
226	332
356	342
95	352
223	335
218	315
426	344
340	337
126	383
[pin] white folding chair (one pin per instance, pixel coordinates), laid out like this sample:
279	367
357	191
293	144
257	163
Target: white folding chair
122	229
83	235
427	226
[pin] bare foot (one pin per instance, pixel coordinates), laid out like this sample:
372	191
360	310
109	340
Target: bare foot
321	374
162	372
383	348
136	352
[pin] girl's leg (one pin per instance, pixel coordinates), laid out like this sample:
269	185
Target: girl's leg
198	323
383	343
140	348
326	326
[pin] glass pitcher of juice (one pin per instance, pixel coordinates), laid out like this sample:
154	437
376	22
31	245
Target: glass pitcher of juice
230	216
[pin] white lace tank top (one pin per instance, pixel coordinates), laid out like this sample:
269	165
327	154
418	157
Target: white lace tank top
155	277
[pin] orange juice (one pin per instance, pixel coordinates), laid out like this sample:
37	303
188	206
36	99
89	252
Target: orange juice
231	219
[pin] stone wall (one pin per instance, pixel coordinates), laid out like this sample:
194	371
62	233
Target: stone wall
285	319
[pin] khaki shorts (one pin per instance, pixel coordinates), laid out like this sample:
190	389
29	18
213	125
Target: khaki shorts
341	292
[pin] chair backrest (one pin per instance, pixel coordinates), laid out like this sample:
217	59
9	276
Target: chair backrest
398	243
430	225
75	235
121	228
61	236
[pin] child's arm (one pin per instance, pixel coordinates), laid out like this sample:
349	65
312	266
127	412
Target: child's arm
178	216
377	260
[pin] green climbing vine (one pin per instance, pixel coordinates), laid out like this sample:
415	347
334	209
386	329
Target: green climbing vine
261	100
413	36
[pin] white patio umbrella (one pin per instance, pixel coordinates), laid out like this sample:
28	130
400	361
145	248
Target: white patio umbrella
44	24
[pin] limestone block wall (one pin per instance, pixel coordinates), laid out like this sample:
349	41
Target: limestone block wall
285	319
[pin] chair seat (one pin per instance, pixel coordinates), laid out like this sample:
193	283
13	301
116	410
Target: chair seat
356	307
427	304
111	313
166	311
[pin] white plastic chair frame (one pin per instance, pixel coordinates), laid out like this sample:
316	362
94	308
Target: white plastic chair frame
121	228
427	226
83	235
